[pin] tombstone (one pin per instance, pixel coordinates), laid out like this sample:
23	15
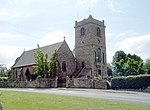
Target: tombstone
56	78
67	81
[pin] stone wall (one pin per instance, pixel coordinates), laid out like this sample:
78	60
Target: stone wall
86	83
38	83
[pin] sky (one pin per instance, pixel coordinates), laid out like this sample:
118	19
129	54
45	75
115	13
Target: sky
26	23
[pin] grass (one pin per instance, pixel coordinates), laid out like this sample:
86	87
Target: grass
12	100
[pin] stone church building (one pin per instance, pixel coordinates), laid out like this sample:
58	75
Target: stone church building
88	60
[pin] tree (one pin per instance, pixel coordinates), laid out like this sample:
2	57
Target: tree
53	66
127	64
119	60
41	60
147	65
135	64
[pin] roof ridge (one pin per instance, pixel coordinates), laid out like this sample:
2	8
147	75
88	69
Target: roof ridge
28	56
45	46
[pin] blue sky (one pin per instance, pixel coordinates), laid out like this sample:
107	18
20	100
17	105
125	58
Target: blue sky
24	23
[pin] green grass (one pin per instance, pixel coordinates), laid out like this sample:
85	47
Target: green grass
35	101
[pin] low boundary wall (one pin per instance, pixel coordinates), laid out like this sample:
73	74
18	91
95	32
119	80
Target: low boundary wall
86	83
38	83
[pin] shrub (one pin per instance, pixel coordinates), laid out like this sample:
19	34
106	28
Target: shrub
3	78
131	82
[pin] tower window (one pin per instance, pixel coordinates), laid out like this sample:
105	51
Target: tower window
99	41
103	56
82	31
83	64
64	66
98	31
99	55
99	72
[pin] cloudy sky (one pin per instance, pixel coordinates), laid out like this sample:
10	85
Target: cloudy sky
24	23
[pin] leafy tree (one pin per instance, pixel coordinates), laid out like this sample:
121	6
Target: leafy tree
43	67
136	65
41	60
127	64
53	66
147	65
118	63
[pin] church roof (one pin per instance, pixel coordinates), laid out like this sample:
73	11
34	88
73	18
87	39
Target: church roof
27	57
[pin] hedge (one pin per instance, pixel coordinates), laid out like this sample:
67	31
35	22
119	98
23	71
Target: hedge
131	82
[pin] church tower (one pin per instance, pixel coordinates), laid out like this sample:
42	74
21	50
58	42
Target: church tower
90	48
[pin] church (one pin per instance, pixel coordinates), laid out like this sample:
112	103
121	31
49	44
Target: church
88	59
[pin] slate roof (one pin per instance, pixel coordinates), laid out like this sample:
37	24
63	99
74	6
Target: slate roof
27	57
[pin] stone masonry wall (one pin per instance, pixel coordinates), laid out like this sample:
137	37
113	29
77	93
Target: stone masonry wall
86	83
38	83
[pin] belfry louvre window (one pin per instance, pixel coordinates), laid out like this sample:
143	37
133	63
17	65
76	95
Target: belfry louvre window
64	66
82	31
98	31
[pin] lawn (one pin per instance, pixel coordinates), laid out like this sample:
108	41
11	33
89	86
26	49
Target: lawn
36	101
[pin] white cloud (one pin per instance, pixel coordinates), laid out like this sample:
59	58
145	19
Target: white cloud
3	13
110	34
8	54
116	34
10	35
139	45
52	37
121	34
110	4
8	14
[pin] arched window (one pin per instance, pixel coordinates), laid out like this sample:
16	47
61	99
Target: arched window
99	55
82	31
98	31
103	56
99	72
64	66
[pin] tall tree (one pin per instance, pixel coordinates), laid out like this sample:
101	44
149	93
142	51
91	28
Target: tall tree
119	60
41	60
127	64
53	66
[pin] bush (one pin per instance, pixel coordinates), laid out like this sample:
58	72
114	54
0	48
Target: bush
3	78
131	82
